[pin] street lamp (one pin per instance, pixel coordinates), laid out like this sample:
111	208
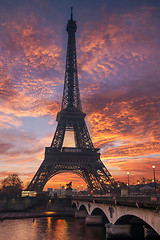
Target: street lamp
60	190
154	177
128	178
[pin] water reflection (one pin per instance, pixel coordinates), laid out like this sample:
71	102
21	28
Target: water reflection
61	230
95	232
50	228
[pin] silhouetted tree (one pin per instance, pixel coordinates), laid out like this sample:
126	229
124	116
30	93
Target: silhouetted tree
144	180
12	186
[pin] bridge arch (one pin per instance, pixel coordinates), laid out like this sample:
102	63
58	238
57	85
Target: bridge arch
98	211
134	220
144	216
83	208
129	219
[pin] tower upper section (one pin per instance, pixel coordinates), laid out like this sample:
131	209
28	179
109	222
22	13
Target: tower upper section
71	96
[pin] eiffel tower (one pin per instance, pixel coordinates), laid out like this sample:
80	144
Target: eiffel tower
84	158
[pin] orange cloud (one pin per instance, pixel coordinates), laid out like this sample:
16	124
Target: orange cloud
29	55
115	48
137	167
118	62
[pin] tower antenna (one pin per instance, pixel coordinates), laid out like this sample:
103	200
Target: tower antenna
71	13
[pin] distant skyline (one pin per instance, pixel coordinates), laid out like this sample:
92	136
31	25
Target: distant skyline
118	46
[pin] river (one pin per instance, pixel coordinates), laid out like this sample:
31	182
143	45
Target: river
50	228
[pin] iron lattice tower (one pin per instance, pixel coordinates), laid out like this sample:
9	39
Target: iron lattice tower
83	159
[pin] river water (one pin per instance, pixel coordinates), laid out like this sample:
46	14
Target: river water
50	228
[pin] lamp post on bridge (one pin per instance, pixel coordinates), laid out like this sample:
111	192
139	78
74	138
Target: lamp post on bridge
128	182
154	177
128	179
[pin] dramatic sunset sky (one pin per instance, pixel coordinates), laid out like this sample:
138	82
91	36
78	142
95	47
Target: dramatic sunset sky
118	51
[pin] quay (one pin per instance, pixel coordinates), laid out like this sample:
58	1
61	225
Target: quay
33	214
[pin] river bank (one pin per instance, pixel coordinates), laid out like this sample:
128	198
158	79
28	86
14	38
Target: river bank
34	214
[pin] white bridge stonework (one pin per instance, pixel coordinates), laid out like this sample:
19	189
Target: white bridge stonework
114	212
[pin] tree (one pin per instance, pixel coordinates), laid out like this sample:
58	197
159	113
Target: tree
12	186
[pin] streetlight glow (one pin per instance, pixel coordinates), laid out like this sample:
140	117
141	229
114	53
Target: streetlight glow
154	177
128	179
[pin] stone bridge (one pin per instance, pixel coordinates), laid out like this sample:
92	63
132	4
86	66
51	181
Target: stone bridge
122	210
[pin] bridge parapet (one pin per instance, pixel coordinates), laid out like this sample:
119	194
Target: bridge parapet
138	201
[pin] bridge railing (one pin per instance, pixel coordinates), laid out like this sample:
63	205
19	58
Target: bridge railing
138	201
